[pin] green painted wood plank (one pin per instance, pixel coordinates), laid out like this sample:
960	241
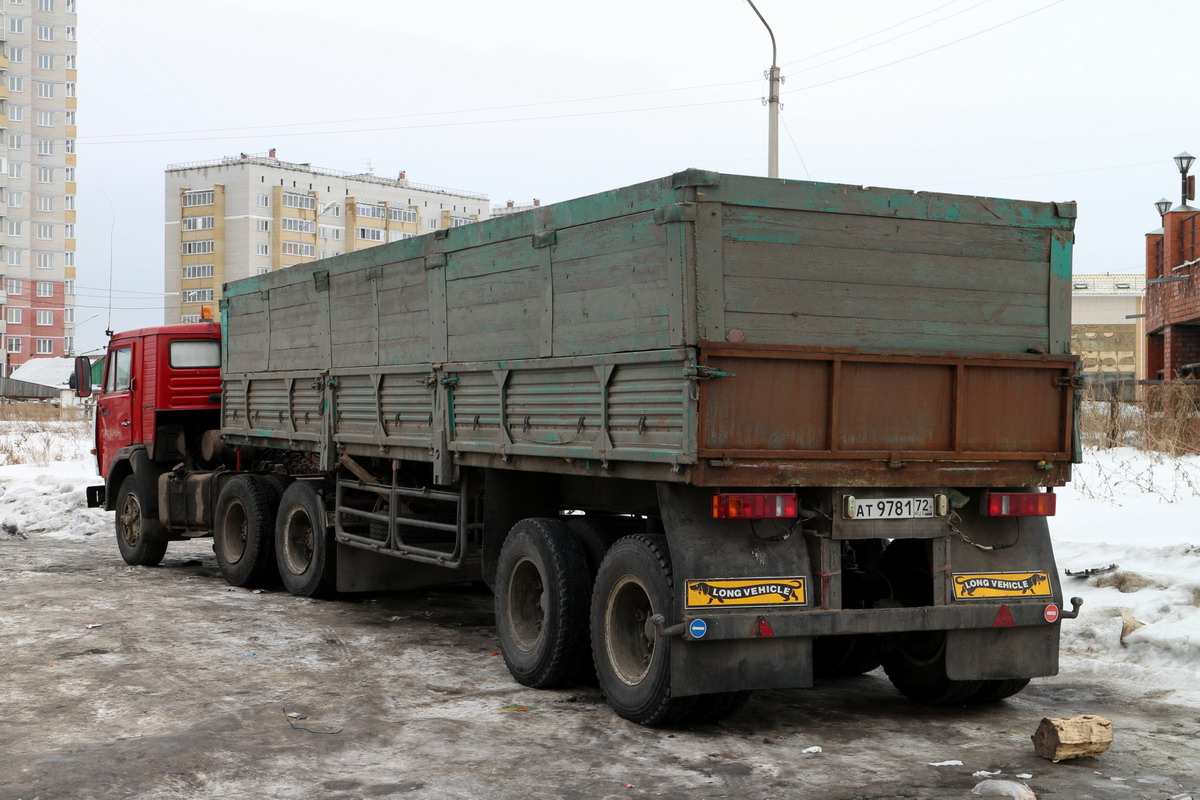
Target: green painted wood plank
1060	292
709	270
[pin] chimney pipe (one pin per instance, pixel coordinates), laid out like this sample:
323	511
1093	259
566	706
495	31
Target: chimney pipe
271	152
537	202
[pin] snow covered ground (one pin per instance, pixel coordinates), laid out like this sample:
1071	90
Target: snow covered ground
1124	507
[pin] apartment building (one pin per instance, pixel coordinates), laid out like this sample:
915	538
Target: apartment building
250	214
1108	330
37	179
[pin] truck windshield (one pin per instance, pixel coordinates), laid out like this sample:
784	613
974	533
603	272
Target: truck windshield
195	354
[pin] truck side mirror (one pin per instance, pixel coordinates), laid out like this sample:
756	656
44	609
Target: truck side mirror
81	380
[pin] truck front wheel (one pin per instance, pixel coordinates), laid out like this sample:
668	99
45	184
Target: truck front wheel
305	550
542	602
633	661
137	535
244	536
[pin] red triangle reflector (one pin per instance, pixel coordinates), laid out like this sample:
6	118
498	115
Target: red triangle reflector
763	628
1004	618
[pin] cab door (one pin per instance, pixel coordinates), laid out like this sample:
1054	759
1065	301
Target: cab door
116	426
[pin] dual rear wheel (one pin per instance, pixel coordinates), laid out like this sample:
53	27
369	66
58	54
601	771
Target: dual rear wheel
564	585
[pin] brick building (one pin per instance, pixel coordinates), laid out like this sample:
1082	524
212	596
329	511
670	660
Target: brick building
1173	295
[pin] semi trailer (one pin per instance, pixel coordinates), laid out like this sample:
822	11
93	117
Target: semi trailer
703	435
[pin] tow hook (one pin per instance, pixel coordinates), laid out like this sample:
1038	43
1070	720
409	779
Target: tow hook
1076	602
660	624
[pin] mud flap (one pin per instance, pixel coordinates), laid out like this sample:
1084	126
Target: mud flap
707	548
1002	651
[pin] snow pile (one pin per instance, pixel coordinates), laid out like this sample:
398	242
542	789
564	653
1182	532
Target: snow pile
43	443
1141	621
50	501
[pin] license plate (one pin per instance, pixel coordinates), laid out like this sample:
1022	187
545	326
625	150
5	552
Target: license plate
890	507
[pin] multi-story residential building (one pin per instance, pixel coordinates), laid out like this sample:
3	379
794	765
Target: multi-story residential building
512	208
37	178
1172	297
251	214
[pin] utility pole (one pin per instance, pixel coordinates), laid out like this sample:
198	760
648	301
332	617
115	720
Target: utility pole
772	103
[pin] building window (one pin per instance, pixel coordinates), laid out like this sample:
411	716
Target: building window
371	234
69	260
14	344
69	315
16	83
14	258
69	284
71	61
14	227
14	316
45	61
189	318
69	146
68	345
70	33
45	33
45	174
299	249
16	24
69	230
199	198
45	289
45	316
261	270
45	90
330	232
403	215
45	5
70	6
15	285
69	174
16	199
197	295
45	260
45	203
369	210
263	201
192	271
45	147
69	117
45	347
293	200
45	231
15	142
69	202
70	88
262	249
15	113
299	225
197	223
198	248
431	223
16	55
262	225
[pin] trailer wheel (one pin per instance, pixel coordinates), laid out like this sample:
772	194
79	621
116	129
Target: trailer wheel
244	531
633	660
916	665
305	550
137	535
993	691
542	602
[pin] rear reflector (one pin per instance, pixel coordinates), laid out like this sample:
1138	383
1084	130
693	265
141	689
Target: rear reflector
756	506
1019	504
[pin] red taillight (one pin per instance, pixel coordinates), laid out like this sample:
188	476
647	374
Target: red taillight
1019	504
756	506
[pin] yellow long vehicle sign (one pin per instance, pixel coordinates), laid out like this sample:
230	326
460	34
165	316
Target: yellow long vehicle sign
787	591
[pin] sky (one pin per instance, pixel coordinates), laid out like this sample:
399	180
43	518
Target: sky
1046	100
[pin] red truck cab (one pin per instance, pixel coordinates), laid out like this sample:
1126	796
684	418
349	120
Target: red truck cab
160	392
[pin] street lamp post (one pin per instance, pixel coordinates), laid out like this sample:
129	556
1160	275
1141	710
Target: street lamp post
1187	183
772	102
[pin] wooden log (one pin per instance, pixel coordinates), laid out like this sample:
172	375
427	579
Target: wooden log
1060	738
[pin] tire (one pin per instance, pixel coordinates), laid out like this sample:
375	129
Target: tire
712	708
993	691
277	482
542	602
596	535
844	656
633	661
244	531
305	549
138	537
916	666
